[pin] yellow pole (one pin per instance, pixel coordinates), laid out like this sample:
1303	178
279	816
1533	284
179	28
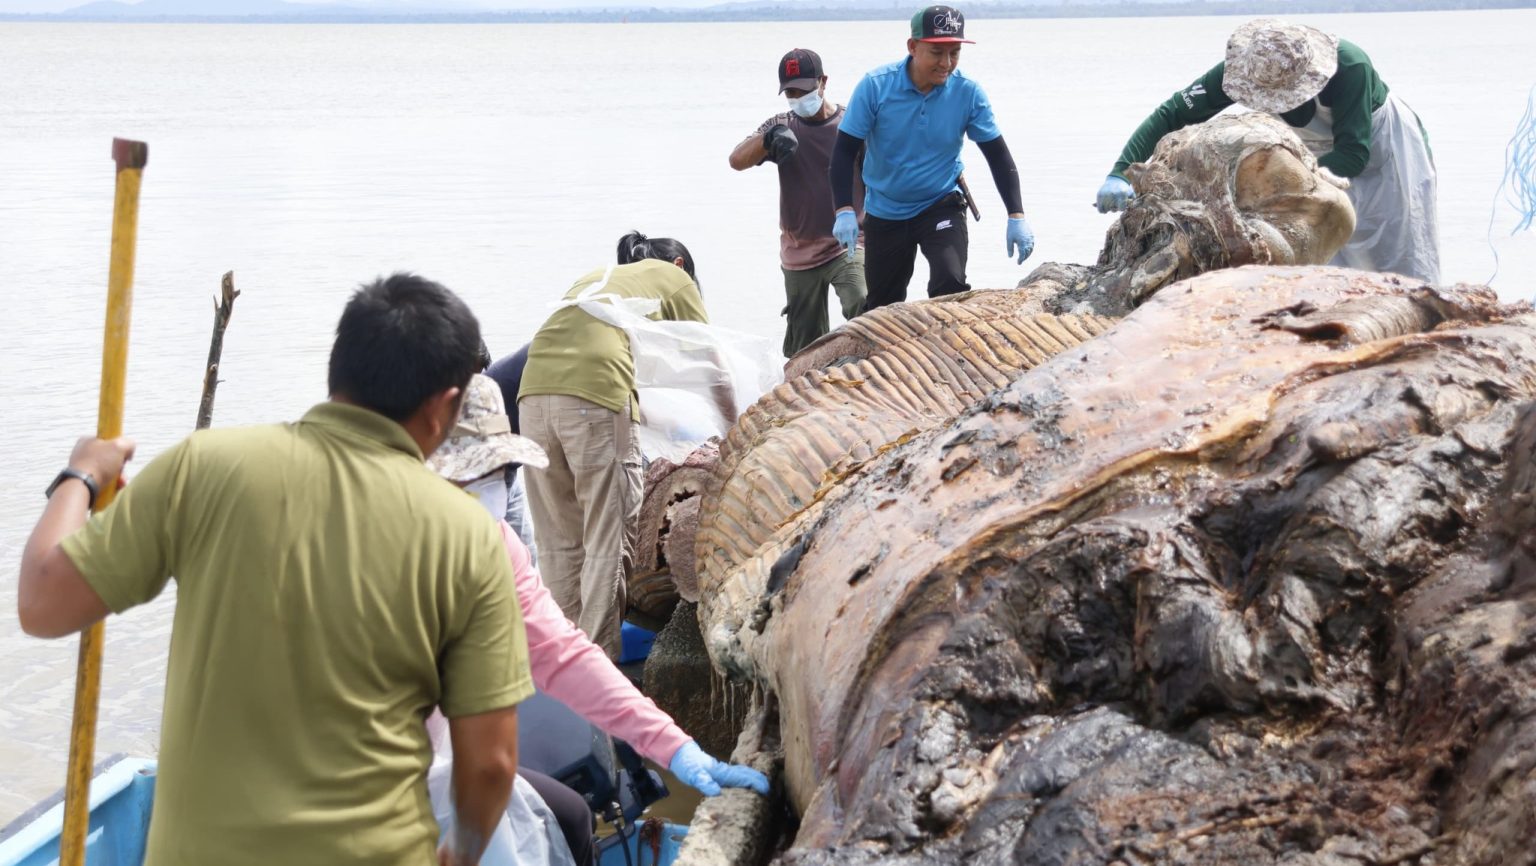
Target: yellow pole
130	157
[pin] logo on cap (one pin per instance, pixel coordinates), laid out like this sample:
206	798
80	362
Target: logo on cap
799	68
947	22
939	24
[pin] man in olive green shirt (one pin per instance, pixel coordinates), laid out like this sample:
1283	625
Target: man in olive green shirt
331	590
1328	90
577	401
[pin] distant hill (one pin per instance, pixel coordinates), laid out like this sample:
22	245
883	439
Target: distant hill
272	11
113	9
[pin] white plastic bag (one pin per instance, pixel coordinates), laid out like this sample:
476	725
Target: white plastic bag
693	380
527	834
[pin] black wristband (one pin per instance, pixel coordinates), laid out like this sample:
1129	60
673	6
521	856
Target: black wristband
84	477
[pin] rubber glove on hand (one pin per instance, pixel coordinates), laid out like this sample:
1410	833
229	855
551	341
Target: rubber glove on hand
780	143
846	229
696	768
1020	237
1115	194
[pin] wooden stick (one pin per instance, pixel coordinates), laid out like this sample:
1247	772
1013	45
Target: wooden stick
131	157
222	310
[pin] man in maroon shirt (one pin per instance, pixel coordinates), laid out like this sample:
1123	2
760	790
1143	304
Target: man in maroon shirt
800	142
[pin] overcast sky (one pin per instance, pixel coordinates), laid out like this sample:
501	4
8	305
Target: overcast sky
213	5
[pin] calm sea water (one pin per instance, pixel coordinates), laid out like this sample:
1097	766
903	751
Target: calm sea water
505	161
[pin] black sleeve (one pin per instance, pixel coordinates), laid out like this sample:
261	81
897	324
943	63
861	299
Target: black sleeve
1004	173
844	154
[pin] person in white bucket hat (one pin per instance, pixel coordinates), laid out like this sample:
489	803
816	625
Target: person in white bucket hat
1329	91
565	663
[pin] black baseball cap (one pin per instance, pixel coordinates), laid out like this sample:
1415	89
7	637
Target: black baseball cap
800	69
939	24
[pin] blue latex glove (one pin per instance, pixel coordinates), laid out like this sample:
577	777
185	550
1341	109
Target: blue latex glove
846	229
1115	194
694	767
1020	238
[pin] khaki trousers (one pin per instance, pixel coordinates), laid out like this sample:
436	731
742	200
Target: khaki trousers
586	508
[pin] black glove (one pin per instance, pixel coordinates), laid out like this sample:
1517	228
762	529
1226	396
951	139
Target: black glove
780	143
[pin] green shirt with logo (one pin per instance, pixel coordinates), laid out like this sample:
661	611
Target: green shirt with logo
1353	93
578	356
330	591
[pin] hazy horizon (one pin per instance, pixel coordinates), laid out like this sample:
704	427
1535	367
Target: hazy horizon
22	7
49	6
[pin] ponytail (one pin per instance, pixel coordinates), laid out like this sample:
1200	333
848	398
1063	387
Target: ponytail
635	247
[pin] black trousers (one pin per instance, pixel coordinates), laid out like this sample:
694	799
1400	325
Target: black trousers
890	252
570	810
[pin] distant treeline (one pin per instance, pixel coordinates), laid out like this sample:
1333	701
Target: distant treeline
798	12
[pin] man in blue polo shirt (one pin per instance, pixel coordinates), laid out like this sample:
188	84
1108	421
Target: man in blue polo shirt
912	117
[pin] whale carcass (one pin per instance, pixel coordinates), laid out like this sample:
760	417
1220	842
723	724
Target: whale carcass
1237	190
1172	596
1244	578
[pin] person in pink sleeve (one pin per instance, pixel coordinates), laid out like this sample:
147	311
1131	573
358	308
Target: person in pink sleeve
566	664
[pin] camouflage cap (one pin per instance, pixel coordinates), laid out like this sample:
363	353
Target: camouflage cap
482	440
1274	66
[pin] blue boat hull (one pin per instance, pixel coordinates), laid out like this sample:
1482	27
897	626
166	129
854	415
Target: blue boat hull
121	796
123	792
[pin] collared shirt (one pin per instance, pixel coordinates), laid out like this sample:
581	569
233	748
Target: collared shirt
330	591
578	356
913	139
